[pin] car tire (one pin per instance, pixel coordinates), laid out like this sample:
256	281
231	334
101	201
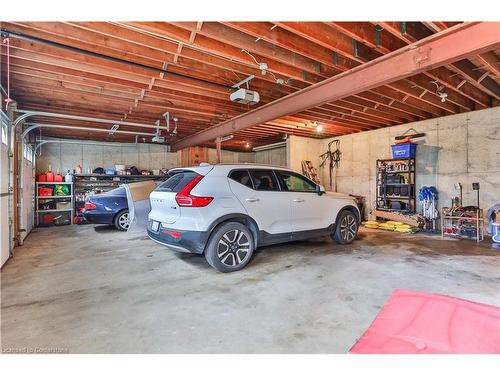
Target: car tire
230	247
122	220
346	228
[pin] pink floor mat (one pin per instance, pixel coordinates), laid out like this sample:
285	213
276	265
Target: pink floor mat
422	323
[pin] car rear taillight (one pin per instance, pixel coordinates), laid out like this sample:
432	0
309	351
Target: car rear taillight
90	206
185	199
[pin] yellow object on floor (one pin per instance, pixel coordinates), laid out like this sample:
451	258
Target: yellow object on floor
394	226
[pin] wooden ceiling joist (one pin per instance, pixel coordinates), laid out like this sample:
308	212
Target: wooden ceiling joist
446	47
188	68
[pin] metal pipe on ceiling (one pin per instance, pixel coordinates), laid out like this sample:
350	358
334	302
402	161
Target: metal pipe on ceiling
33	126
29	38
270	146
64	141
28	113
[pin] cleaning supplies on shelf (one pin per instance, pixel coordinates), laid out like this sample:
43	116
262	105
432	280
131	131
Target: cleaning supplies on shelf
68	177
493	217
428	196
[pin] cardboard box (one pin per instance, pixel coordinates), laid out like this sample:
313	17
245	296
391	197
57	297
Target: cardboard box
63	205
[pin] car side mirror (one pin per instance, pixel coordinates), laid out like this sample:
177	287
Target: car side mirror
320	189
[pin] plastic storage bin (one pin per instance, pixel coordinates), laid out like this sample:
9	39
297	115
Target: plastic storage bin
45	191
404	150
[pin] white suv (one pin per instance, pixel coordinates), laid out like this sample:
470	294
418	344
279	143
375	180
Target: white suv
227	210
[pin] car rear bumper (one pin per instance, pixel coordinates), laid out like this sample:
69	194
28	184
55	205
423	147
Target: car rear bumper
188	242
98	218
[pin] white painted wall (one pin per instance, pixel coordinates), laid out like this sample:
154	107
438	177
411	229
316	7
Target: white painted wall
461	148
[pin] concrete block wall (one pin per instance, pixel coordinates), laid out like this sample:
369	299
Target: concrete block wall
461	148
62	157
300	148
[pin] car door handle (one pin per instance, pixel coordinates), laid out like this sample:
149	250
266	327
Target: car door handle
252	199
298	200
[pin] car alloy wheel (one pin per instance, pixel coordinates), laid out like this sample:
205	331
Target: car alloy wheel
348	227
233	248
124	221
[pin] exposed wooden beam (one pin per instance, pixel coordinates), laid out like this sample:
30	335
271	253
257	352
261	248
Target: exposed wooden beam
449	46
491	62
476	77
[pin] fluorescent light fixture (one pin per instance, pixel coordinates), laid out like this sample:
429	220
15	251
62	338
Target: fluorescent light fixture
270	146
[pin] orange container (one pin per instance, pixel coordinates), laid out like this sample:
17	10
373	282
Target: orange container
50	176
45	191
41	178
58	178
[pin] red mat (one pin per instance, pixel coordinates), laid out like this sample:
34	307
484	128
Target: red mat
415	322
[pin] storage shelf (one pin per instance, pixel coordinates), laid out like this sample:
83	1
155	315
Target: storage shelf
69	197
53	196
53	183
463	218
396	172
127	176
385	187
56	210
448	221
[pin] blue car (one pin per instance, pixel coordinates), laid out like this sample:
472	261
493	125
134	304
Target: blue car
108	208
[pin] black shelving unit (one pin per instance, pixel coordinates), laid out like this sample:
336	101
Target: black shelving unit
396	185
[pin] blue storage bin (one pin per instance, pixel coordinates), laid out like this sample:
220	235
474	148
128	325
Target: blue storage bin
404	150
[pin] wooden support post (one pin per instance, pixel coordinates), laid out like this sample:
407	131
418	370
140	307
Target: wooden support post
218	145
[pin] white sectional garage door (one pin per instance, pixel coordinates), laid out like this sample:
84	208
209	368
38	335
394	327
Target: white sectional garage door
4	196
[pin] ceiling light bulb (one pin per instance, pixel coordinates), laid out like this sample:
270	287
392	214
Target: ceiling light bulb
247	145
319	128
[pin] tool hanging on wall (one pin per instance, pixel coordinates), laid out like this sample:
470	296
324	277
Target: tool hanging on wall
309	171
408	135
458	186
333	158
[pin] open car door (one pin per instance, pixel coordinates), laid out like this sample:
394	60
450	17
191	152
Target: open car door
138	204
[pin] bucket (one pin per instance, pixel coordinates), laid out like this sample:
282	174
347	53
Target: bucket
404	150
495	232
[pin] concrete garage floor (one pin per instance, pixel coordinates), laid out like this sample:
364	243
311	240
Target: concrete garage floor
90	289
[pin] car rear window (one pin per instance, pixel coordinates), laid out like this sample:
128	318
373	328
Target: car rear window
176	182
264	179
242	177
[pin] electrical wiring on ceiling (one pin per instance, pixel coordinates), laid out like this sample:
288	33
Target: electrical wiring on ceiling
264	68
